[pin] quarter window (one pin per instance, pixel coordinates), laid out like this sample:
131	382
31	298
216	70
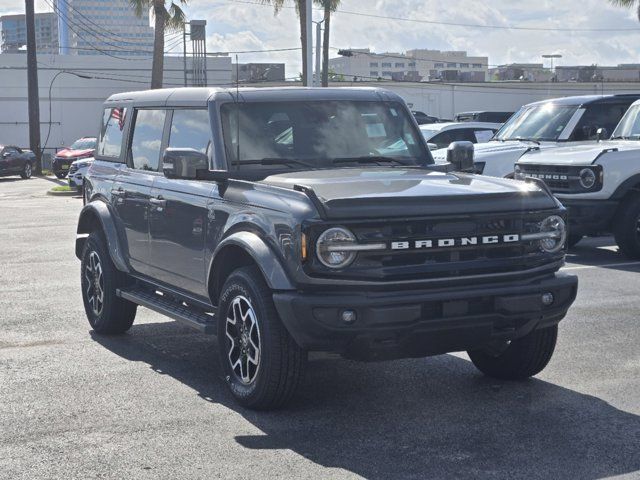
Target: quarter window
111	131
147	139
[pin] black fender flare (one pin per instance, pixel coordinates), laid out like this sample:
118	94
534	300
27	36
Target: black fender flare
264	257
98	212
631	183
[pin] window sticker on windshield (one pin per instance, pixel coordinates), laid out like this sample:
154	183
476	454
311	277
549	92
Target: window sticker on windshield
376	130
483	135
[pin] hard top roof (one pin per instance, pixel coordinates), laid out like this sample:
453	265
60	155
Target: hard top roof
589	99
201	95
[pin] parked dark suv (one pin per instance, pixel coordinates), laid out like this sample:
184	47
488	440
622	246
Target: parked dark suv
288	220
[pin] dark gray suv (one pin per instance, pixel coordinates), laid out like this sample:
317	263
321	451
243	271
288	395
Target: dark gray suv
290	220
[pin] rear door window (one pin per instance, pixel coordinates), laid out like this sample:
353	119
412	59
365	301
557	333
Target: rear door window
146	142
595	117
191	129
111	132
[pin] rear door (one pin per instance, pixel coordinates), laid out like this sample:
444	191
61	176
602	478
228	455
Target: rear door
132	190
179	214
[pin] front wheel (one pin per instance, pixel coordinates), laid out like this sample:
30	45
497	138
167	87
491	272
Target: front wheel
27	170
626	227
262	364
519	359
106	312
60	175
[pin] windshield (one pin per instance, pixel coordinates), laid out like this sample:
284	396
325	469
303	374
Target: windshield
540	122
320	134
84	144
629	126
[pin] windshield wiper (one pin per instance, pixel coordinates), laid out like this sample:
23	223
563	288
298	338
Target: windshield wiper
276	161
369	159
619	137
527	140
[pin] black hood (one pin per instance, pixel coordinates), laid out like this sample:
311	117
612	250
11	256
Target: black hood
397	192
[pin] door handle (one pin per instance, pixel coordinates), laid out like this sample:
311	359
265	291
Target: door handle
158	202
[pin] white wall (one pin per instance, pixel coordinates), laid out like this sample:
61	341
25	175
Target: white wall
76	102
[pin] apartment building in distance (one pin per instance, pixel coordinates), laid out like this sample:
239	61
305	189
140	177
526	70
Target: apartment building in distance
13	30
413	65
93	27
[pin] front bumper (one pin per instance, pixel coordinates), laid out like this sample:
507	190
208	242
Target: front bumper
589	217
61	165
75	180
422	323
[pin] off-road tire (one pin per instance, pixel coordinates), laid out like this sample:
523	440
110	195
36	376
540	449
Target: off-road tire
281	362
115	314
60	175
573	240
27	171
523	358
626	227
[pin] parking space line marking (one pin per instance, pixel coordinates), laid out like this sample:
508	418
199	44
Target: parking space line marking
605	265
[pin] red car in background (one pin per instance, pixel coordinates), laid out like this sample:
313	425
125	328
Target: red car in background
81	148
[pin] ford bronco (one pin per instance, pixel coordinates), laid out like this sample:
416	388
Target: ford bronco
291	220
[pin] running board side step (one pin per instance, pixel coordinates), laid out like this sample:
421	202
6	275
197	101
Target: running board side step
191	317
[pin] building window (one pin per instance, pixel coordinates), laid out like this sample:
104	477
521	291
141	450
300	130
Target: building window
386	64
399	65
373	64
464	65
373	73
438	65
477	65
412	64
386	74
451	65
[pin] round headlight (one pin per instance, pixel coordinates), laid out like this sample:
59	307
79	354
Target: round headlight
329	251
587	178
556	231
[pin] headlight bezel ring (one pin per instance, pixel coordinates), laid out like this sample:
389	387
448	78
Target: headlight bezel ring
326	247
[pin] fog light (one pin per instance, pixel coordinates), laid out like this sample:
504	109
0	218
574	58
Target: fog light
547	299
348	316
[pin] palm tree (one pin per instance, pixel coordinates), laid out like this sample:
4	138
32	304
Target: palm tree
170	17
329	6
628	4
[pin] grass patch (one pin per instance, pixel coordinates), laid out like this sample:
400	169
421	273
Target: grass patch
62	188
46	172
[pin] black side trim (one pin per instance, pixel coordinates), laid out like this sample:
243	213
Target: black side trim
309	192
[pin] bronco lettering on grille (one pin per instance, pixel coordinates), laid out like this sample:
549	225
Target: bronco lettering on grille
548	176
456	242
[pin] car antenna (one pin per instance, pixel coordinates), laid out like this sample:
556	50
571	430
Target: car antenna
237	114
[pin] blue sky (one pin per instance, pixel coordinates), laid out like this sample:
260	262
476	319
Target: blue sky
234	25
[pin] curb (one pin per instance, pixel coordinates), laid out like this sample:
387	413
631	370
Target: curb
62	194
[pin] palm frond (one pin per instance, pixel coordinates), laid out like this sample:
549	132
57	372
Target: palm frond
628	4
277	5
140	6
175	17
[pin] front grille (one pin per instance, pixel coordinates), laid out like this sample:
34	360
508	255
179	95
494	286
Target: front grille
557	177
440	262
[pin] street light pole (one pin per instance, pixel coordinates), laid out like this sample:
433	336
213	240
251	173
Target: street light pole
309	42
32	86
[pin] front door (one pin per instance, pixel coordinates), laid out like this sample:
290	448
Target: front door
131	192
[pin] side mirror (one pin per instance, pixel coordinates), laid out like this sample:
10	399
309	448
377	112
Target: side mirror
602	134
184	163
6	154
460	155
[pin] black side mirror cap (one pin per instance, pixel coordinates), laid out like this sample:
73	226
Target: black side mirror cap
602	134
460	156
184	163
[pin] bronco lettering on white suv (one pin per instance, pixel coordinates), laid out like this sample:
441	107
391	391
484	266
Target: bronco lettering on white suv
598	183
290	220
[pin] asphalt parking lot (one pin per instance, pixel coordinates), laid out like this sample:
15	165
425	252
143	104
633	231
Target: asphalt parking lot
152	403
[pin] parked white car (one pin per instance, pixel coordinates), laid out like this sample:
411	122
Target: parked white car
598	183
77	172
548	124
440	135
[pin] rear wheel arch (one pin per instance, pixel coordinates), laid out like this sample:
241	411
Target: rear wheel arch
96	217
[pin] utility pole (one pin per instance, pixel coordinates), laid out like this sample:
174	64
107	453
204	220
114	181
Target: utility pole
32	86
309	42
318	74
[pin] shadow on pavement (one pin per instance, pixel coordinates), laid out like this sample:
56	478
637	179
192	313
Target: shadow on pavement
424	418
601	252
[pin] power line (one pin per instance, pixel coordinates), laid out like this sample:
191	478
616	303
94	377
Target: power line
455	24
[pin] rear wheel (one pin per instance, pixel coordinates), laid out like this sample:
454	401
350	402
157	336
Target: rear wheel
106	312
261	362
626	227
27	170
519	359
